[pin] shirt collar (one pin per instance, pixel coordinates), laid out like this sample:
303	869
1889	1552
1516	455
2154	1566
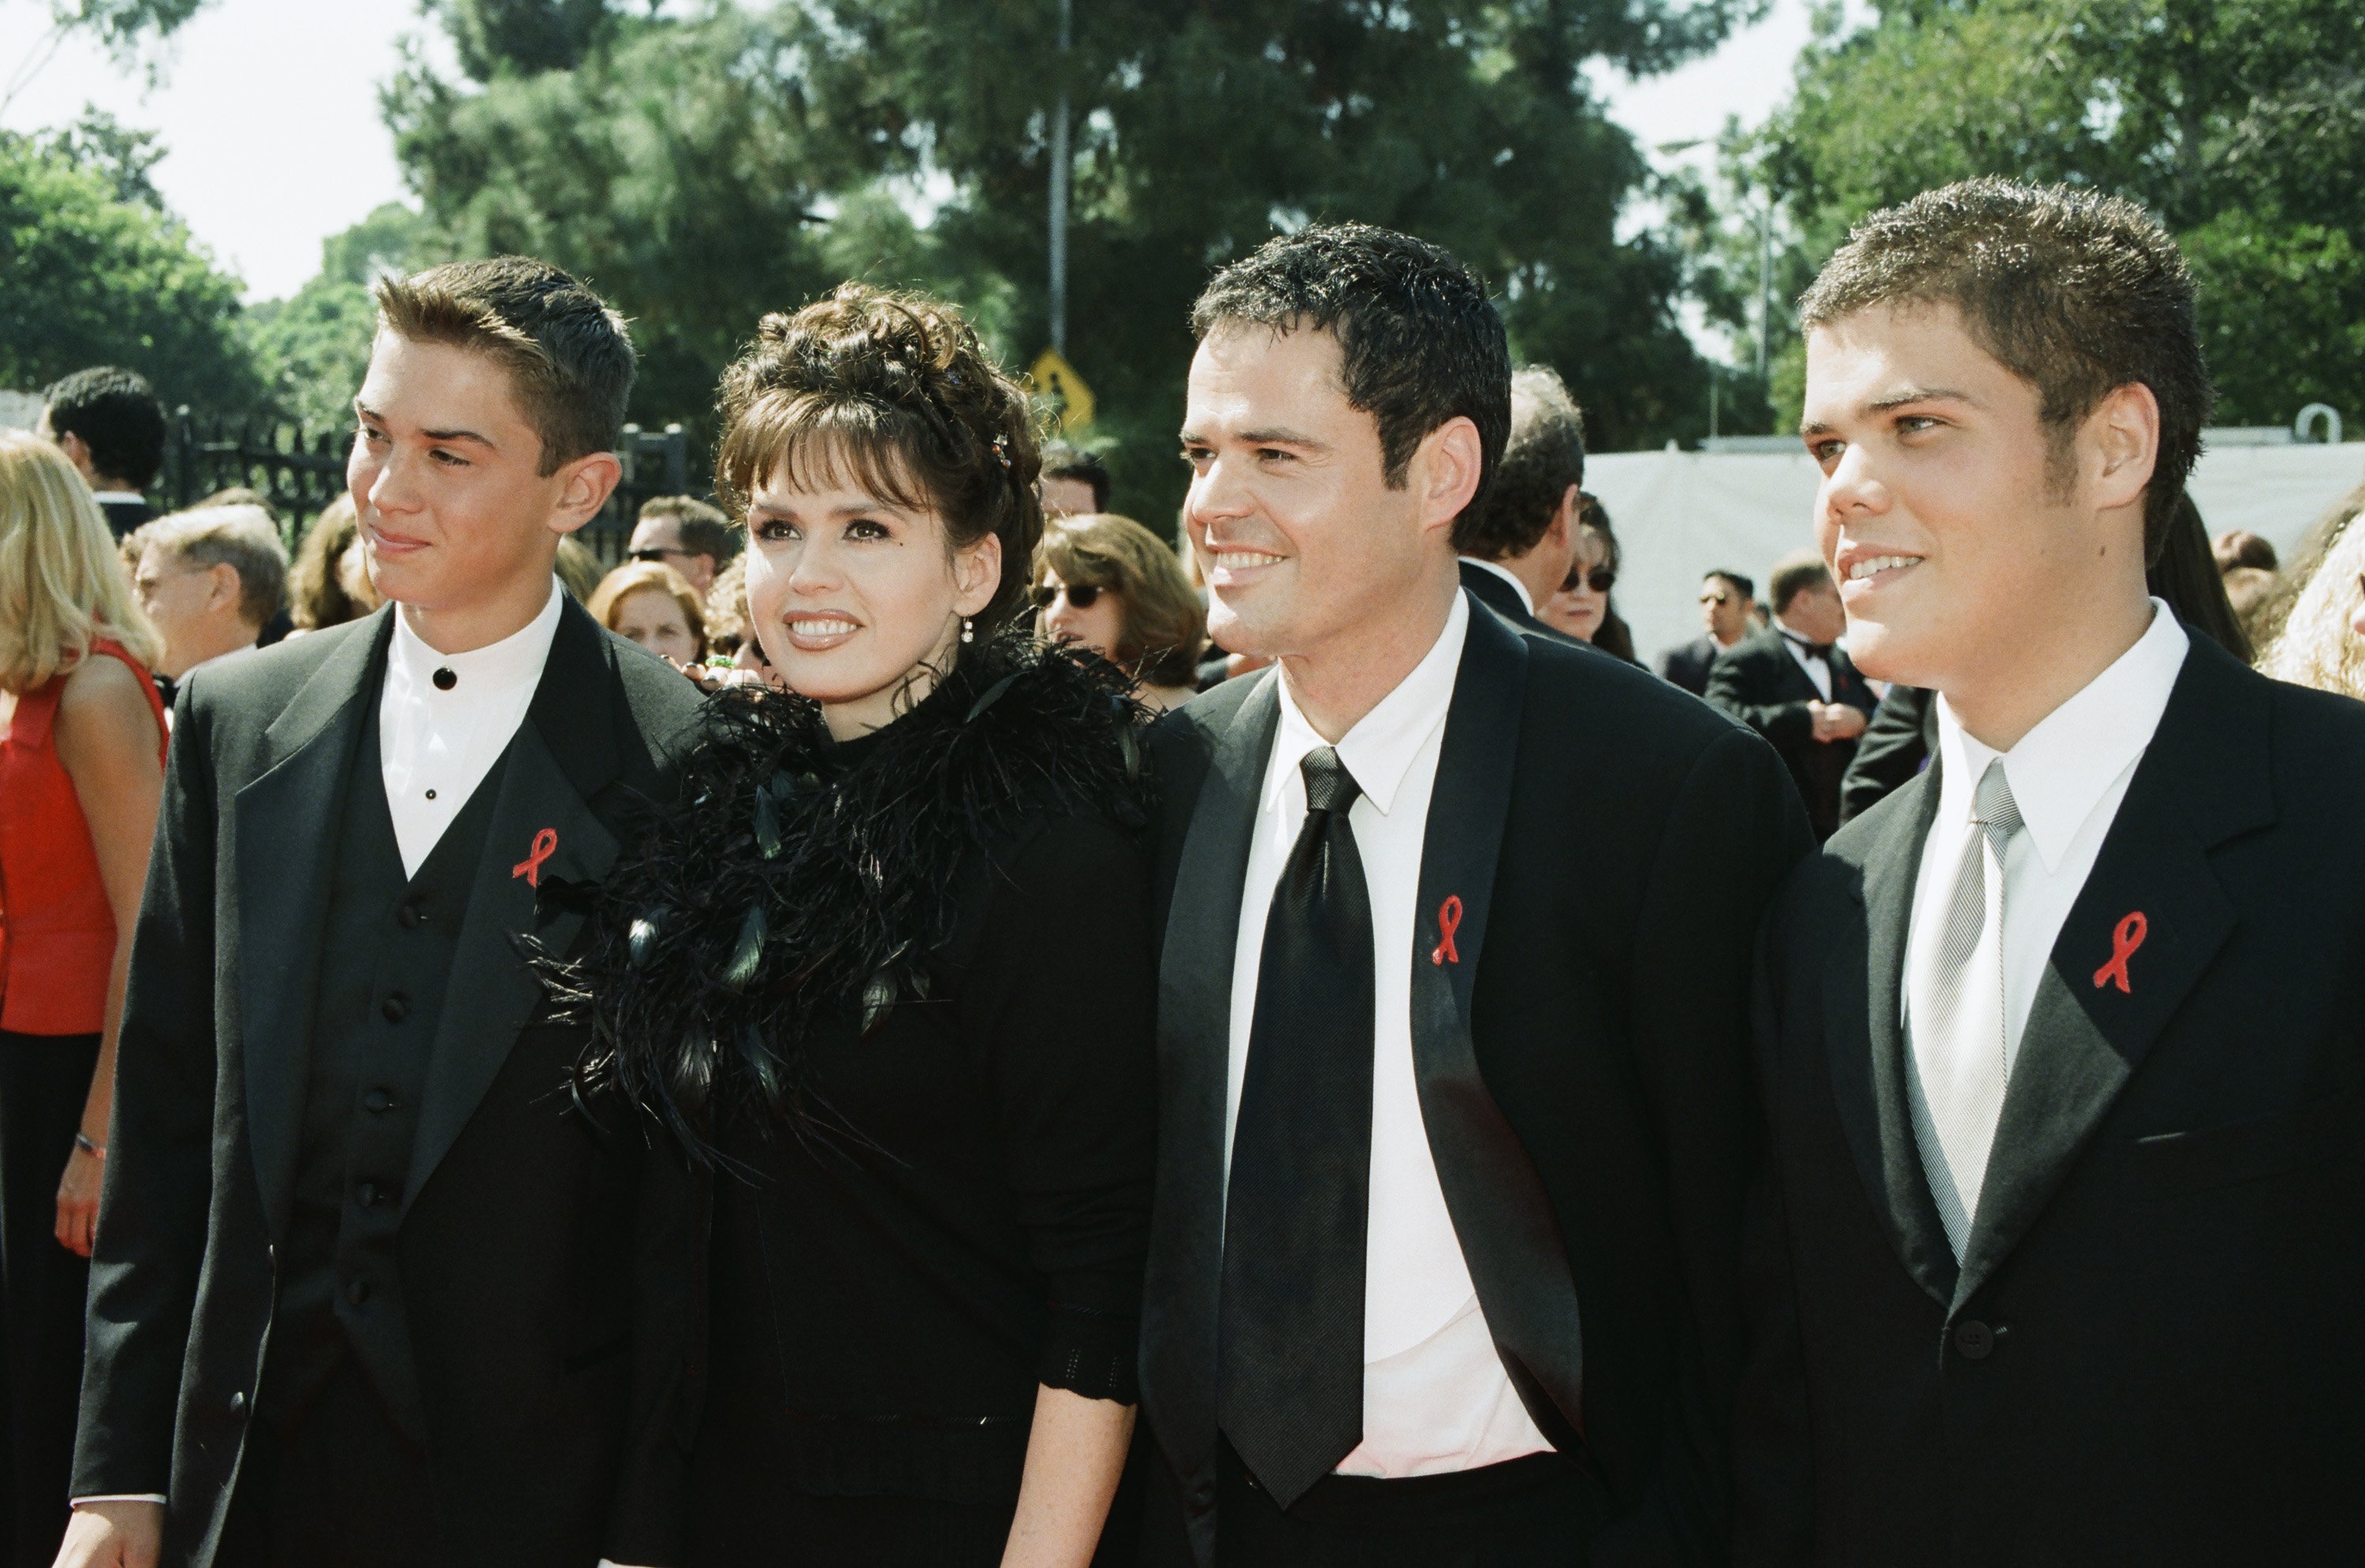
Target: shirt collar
104	498
1380	750
2062	768
1527	600
515	661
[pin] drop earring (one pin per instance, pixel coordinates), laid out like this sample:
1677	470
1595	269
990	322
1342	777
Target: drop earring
969	629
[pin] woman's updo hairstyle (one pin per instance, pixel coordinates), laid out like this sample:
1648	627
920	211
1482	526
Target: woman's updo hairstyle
893	395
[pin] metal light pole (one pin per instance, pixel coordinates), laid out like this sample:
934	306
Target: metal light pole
1059	171
1764	278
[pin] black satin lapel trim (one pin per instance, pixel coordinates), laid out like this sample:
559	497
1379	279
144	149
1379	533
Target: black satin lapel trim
1863	1026
1509	1236
2084	1040
575	706
288	822
492	993
1195	1009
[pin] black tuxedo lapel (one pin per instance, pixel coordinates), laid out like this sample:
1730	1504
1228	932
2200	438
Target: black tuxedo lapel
562	755
1194	1012
1863	1001
287	818
1501	1214
2203	780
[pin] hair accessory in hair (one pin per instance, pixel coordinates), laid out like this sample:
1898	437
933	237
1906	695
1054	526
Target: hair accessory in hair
1001	451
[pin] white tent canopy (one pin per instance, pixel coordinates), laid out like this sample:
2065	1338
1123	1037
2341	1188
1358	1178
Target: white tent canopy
1682	514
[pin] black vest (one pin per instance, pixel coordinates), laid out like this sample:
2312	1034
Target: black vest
385	957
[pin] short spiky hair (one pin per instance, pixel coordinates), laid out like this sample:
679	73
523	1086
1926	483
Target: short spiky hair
2076	293
1420	340
567	352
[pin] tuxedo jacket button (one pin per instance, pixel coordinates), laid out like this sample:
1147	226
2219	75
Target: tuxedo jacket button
1974	1340
237	1405
357	1291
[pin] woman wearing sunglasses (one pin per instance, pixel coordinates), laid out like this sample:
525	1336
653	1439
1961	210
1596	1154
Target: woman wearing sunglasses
1581	606
1108	584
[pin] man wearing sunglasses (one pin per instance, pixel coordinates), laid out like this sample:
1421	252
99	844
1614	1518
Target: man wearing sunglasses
1724	600
686	535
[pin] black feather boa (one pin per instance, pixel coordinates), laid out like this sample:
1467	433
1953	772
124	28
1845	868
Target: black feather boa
798	880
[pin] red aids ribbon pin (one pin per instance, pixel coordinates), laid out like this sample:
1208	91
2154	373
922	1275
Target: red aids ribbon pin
2123	942
1449	921
545	844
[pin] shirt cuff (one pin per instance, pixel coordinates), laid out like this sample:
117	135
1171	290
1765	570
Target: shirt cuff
155	1497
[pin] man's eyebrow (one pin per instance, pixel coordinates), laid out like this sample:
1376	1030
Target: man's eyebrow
1919	395
1281	436
483	440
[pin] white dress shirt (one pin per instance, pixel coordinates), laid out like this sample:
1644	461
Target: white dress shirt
1527	600
1818	668
1435	1396
2068	776
435	747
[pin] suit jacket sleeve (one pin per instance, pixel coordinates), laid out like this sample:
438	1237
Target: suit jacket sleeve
1737	826
153	1209
1890	752
1772	1473
1735	684
649	1519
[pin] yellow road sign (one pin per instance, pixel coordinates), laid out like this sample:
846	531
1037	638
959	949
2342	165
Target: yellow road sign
1055	379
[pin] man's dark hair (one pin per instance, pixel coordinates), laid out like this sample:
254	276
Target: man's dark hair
567	354
704	528
1062	461
1797	574
1746	587
2077	293
1544	455
1419	340
117	416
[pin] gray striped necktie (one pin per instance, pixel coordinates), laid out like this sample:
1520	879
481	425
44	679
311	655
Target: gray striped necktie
1960	1047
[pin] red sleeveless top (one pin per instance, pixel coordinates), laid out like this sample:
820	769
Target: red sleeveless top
56	930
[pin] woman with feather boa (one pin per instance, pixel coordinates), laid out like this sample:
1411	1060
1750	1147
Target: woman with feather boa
885	974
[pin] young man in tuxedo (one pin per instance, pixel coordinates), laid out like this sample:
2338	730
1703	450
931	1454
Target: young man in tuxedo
1793	684
359	1294
1517	544
2063	1042
1455	1117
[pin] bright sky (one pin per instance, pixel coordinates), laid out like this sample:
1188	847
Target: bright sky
268	112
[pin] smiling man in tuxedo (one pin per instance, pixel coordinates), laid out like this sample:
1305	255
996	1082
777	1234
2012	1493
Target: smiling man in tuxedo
1454	1122
360	1293
2063	1042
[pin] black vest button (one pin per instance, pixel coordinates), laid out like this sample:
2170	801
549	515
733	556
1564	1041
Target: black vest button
368	1193
1974	1340
238	1406
395	1008
357	1291
409	915
377	1099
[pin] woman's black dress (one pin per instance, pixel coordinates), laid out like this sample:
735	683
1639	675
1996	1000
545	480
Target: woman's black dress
951	1209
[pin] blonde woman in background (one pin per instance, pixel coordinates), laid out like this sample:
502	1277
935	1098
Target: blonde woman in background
82	745
2322	643
1110	584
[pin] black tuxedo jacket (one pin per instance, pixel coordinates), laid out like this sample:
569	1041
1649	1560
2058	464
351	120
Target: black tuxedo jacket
1582	1067
2150	1353
1687	667
1504	600
524	1216
1759	682
1903	735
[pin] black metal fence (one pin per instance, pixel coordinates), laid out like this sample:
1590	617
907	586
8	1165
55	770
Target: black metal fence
302	472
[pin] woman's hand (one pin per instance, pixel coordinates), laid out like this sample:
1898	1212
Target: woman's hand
711	678
78	1199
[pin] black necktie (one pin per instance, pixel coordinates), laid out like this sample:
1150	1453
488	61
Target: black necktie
1290	1386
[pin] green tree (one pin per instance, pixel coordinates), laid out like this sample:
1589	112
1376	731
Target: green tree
92	278
701	170
2240	123
312	349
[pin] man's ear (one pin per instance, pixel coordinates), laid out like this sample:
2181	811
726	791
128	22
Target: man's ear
1563	522
1445	470
2121	446
977	574
585	485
